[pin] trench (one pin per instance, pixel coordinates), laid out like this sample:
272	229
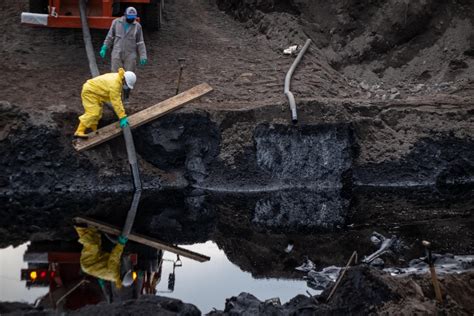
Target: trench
245	185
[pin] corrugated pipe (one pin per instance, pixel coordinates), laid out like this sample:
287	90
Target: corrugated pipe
291	97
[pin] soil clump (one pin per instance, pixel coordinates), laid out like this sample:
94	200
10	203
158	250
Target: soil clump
366	291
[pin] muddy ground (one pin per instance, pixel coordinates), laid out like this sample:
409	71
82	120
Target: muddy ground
387	295
384	139
394	296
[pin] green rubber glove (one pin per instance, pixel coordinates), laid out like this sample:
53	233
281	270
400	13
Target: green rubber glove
122	240
143	61
101	283
103	51
123	122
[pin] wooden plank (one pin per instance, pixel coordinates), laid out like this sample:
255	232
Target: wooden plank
153	112
148	241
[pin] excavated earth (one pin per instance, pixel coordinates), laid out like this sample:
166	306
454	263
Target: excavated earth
384	139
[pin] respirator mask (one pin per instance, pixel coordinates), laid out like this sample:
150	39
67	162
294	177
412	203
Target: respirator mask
126	91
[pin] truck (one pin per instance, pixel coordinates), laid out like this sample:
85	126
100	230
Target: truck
100	13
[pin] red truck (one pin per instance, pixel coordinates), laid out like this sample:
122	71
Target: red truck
100	13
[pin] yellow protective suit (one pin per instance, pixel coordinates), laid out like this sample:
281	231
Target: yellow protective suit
104	88
96	262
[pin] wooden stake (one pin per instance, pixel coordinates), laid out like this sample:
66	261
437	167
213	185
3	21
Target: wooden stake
354	255
436	287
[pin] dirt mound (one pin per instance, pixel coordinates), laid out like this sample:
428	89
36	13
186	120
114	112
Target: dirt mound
145	305
365	291
388	49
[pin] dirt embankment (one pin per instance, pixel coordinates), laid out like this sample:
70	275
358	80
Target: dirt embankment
403	144
386	49
145	305
365	291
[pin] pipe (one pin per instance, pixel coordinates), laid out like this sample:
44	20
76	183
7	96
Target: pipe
132	159
86	33
288	93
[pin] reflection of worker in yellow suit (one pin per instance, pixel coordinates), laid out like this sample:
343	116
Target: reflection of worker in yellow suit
104	88
101	264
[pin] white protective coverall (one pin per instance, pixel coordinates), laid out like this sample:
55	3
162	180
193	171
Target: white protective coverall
125	44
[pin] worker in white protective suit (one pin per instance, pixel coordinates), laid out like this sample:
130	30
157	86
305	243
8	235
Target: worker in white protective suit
126	38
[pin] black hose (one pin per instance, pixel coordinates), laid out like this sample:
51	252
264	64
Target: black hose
132	159
86	33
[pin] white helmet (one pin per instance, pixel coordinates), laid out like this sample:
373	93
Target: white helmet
128	279
130	79
131	11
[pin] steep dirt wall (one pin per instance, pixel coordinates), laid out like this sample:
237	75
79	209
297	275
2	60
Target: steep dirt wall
336	145
298	177
414	47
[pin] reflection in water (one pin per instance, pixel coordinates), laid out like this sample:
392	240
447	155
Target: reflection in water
81	275
299	210
97	262
205	285
254	230
208	284
11	287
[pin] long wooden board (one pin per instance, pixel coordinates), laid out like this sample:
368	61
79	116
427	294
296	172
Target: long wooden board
148	241
153	112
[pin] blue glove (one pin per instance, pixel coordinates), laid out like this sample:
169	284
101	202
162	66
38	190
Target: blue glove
103	51
122	240
123	122
143	61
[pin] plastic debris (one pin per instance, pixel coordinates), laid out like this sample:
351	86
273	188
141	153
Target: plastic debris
307	265
319	280
290	50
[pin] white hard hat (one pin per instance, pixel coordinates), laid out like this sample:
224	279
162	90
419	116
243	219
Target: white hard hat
128	279
130	79
131	11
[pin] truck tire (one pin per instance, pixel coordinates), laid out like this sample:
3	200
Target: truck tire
153	15
39	6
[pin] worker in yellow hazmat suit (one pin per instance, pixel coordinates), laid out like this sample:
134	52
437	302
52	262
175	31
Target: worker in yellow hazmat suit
101	264
105	88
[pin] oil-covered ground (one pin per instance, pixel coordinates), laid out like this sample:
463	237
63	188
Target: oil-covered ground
384	142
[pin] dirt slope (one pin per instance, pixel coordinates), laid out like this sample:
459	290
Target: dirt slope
47	67
360	50
420	47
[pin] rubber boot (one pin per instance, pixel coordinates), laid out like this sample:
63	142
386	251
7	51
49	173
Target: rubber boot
94	128
81	131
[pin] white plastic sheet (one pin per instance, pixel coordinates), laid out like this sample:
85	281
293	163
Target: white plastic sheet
34	18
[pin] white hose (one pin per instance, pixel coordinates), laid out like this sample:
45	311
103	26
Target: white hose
288	93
